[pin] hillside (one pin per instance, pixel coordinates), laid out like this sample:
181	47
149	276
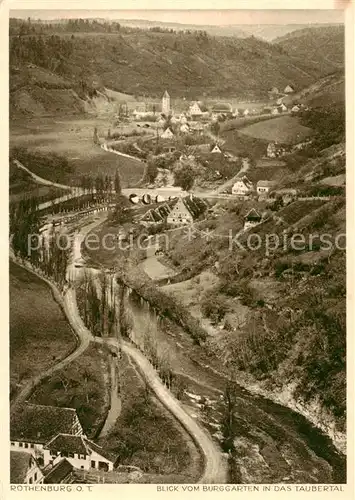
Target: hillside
67	67
323	46
326	91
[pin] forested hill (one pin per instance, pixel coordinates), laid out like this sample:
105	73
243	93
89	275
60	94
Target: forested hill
146	62
324	45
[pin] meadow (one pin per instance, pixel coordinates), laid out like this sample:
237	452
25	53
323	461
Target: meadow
39	332
72	139
284	130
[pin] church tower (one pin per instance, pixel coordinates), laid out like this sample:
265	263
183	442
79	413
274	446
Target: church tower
165	108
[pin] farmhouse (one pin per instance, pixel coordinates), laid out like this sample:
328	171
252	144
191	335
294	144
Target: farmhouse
184	129
242	187
32	426
62	472
288	89
167	134
253	218
195	111
79	451
24	468
156	215
263	187
275	111
186	210
216	149
295	109
282	108
222	108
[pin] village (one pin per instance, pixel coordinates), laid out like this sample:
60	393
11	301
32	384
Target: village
164	328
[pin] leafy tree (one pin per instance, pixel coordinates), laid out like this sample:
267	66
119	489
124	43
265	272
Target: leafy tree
152	170
117	183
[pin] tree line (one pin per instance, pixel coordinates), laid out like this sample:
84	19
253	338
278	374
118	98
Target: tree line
49	253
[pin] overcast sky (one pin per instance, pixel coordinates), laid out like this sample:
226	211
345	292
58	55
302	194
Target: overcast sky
206	17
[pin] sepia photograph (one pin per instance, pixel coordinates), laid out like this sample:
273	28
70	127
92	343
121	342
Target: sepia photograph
177	248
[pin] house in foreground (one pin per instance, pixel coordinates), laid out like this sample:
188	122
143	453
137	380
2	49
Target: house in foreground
50	434
32	426
79	451
252	219
62	472
24	468
242	187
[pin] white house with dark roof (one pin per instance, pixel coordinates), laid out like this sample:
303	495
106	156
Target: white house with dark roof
32	426
180	214
242	186
184	128
216	149
79	451
252	219
186	210
194	110
24	468
167	134
289	89
263	187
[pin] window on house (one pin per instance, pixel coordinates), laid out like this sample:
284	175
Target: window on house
32	445
82	456
12	443
71	455
31	480
26	445
20	445
35	476
93	464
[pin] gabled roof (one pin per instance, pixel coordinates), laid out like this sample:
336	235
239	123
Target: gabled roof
68	443
215	148
195	206
265	184
59	472
252	215
20	463
222	107
100	451
245	181
39	423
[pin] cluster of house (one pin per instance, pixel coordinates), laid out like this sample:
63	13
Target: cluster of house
275	150
48	444
244	187
181	212
198	112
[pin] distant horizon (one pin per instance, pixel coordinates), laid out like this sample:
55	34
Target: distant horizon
194	17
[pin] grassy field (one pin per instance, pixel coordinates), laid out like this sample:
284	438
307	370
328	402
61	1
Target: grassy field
39	333
145	435
285	130
83	385
73	139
